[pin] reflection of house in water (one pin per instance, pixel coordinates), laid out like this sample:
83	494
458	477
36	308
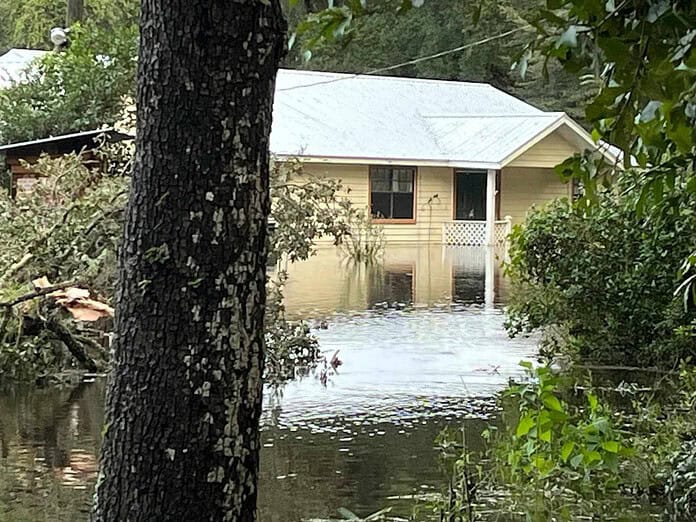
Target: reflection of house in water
390	285
408	276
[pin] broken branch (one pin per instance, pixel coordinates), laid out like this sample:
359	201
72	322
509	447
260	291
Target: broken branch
37	293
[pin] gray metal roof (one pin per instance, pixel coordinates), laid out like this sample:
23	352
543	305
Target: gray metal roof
14	64
344	116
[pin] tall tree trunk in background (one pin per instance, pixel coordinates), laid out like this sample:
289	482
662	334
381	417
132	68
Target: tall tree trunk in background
76	11
184	397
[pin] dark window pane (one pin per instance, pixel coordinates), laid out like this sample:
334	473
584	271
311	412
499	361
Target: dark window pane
392	192
381	205
403	206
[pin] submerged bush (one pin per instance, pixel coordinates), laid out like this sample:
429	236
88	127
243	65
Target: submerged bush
606	278
68	229
557	452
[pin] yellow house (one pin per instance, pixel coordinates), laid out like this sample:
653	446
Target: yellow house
434	161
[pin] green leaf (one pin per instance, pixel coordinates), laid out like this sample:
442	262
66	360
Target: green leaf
566	450
524	426
552	403
611	446
568	38
592	400
592	456
576	460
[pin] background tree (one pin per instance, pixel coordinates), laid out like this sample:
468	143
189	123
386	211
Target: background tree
26	23
84	88
184	397
76	12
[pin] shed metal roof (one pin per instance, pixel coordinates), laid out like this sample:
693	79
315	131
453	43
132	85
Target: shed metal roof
112	135
14	64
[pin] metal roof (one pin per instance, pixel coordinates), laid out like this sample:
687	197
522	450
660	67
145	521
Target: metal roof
345	116
14	64
112	135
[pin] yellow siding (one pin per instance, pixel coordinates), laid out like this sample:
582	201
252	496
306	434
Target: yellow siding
549	152
521	188
431	211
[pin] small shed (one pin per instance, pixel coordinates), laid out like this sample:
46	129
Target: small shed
22	179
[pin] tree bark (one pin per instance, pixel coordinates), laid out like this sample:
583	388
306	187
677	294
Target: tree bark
184	397
76	11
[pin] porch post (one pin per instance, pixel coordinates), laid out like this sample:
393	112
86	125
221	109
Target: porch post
490	207
489	279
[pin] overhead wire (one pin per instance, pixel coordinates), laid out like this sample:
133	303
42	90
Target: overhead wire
414	61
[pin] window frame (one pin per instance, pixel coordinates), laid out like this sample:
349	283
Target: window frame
393	221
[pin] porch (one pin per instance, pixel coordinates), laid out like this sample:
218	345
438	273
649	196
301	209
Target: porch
475	233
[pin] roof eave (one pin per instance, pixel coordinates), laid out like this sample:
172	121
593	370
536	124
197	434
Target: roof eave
577	130
413	162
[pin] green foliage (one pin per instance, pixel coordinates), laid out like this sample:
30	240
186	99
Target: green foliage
642	57
26	23
365	242
304	209
605	276
68	229
556	441
556	453
83	88
681	487
291	349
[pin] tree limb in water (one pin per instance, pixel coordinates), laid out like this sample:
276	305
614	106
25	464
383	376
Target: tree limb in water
74	346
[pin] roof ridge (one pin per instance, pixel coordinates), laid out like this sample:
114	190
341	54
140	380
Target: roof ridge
540	114
383	77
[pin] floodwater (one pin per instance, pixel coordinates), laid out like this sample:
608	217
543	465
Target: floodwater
422	345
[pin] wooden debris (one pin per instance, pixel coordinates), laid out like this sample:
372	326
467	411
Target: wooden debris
76	300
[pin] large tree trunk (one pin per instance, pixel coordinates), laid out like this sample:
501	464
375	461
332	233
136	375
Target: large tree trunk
184	397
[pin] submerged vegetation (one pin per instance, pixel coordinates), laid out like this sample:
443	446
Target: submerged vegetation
67	231
566	448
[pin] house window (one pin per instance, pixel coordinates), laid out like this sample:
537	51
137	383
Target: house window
392	193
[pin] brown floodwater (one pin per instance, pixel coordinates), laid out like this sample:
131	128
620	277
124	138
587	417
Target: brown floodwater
422	345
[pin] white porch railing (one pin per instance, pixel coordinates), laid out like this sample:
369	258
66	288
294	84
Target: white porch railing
473	233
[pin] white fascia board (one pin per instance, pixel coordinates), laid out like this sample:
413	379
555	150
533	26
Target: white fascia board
459	164
574	127
534	140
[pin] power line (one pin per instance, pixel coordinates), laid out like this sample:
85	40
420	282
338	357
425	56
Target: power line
411	62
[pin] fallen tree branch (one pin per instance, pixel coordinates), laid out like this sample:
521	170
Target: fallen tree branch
13	269
37	293
75	347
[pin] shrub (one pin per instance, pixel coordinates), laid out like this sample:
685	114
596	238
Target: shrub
605	276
